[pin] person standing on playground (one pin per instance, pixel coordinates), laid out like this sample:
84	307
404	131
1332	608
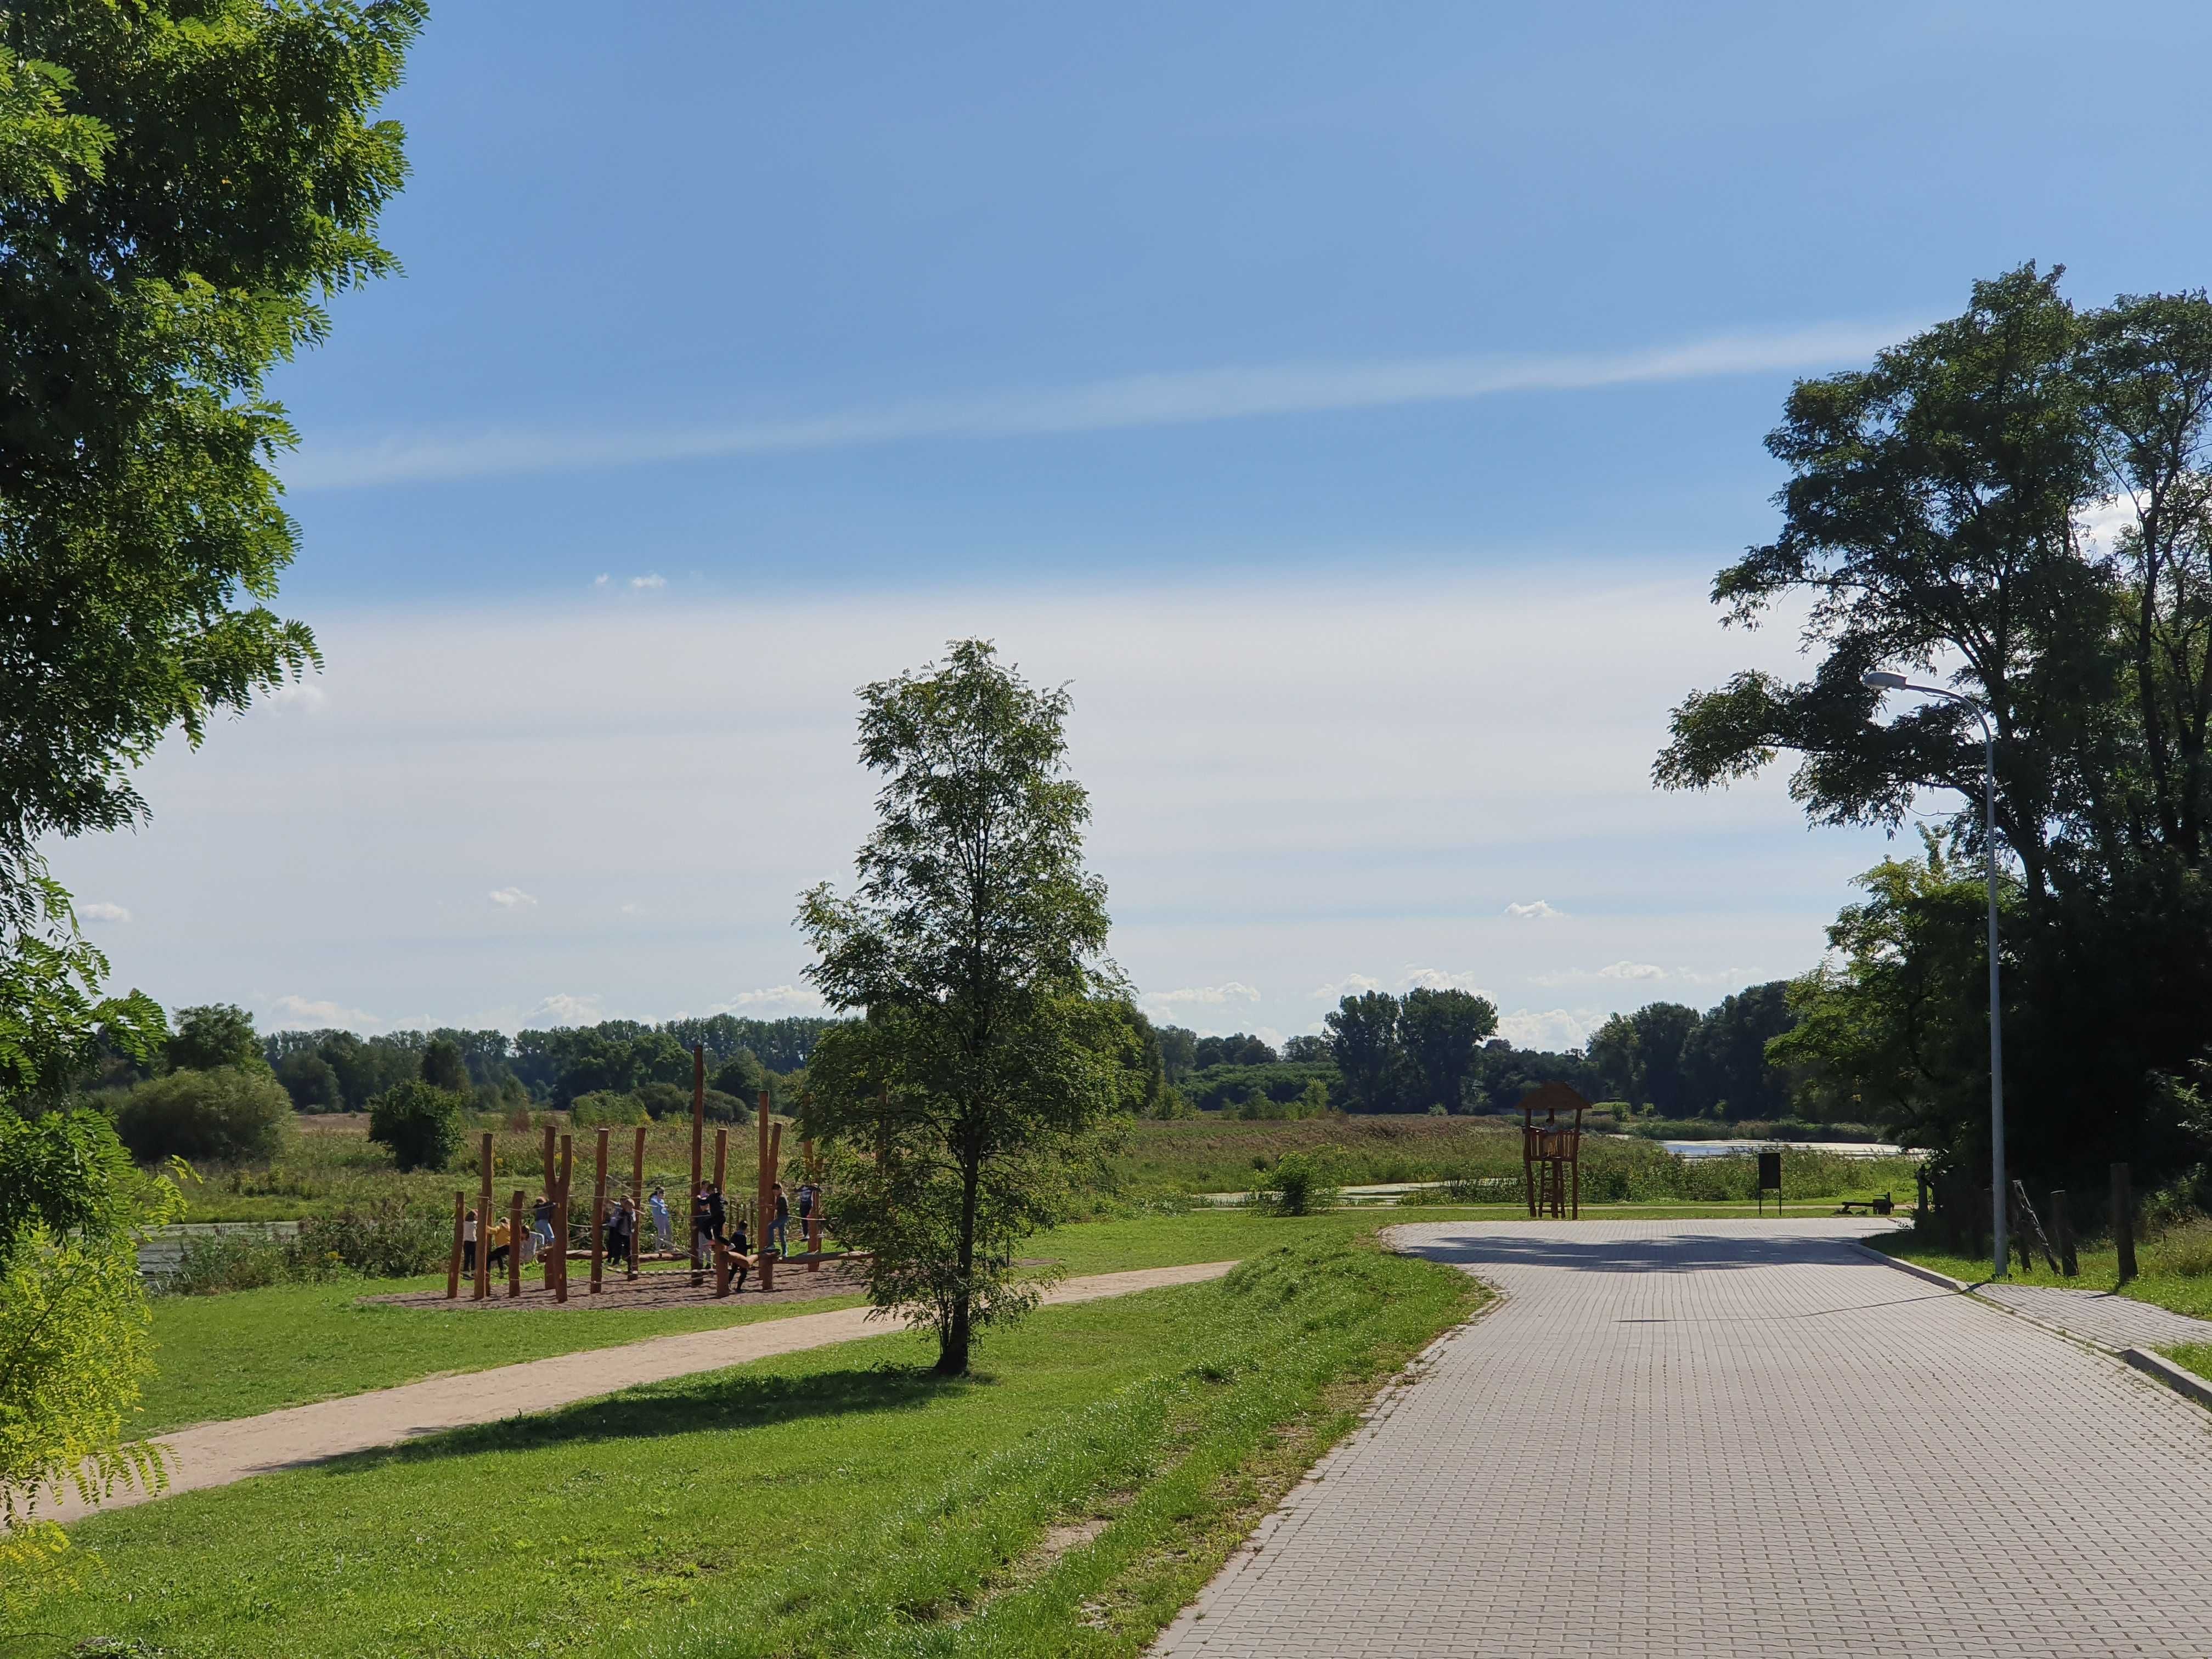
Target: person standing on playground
808	1196
469	1242
499	1246
542	1222
621	1229
742	1249
715	1213
661	1231
702	1225
780	1230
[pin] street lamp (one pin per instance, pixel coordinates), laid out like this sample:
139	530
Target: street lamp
1874	680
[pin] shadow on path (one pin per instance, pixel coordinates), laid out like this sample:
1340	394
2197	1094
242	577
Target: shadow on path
1676	1253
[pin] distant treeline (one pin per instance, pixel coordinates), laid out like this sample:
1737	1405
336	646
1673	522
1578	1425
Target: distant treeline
335	1071
1435	1050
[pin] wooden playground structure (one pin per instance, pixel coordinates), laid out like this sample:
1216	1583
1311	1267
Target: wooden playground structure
558	1160
1552	1151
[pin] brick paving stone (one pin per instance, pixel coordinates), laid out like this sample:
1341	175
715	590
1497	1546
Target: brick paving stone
2118	1322
1723	1438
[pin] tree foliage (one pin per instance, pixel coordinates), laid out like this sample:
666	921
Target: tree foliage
75	1331
231	1114
1443	1031
423	1125
192	179
1950	511
217	1034
995	1045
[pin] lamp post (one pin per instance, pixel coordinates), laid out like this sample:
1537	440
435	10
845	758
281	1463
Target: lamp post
1877	680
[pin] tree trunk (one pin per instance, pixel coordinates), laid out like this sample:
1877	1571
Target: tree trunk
953	1339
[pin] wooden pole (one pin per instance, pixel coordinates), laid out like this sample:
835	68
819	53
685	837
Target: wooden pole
812	1224
483	1219
2123	1221
2061	1234
560	1222
548	1160
599	1214
636	1198
514	1246
722	1163
766	1204
698	1150
774	1174
453	1267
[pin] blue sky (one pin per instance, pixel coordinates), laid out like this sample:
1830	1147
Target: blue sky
1353	402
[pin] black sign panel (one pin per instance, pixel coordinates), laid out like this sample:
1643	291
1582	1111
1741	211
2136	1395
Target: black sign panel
1769	1172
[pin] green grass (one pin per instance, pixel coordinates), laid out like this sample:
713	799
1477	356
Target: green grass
2173	1268
223	1357
837	1502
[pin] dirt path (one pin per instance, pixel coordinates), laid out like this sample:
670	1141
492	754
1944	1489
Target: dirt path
216	1454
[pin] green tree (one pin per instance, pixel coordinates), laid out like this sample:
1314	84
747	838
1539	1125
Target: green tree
992	1052
1441	1032
1661	1030
423	1125
198	176
1612	1050
55	1021
76	1339
216	1034
311	1081
228	1114
443	1068
1724	1060
1363	1040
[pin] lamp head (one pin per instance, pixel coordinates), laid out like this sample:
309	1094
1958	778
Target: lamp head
1875	680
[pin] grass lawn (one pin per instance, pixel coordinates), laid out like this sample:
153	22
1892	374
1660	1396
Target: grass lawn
221	1357
1067	1499
2161	1281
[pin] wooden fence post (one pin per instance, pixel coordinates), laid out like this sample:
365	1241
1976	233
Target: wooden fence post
599	1214
764	1206
690	1221
453	1267
2061	1230
483	1218
2123	1221
636	1199
561	1220
722	1165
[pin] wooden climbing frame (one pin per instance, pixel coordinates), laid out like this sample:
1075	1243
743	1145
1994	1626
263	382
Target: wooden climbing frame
1552	1151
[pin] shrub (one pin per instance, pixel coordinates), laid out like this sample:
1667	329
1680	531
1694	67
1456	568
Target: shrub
235	1261
227	1115
387	1240
1298	1185
422	1125
605	1107
309	1078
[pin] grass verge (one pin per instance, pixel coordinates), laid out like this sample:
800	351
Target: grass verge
2161	1282
839	1502
247	1351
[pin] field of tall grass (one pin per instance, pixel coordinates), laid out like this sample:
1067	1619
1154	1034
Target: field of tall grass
330	1166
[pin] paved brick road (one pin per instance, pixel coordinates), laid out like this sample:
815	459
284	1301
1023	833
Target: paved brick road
1735	1438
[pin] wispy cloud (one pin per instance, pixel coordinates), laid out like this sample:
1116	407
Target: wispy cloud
1173	398
511	898
1534	910
645	582
1552	1029
1631	970
773	999
564	1008
298	1013
1351	985
1204	996
101	910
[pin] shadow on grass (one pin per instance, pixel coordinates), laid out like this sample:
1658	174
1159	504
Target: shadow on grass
722	1402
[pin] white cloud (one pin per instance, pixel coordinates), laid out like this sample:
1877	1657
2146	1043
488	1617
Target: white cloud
1172	398
773	999
296	1013
511	898
1552	1029
1268	1035
648	582
601	580
296	696
1351	985
1534	910
1209	995
1436	978
101	910
1639	970
563	1009
631	910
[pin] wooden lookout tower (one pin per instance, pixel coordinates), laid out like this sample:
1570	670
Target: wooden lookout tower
1551	1151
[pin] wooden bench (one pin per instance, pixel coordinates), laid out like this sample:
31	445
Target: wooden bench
1881	1206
